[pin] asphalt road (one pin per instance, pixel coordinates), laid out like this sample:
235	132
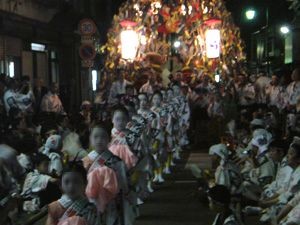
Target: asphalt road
176	202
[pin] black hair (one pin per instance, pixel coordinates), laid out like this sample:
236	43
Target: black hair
47	126
76	167
38	158
121	109
220	194
280	145
10	83
130	104
100	125
296	147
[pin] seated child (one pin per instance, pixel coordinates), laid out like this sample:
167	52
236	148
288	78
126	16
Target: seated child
219	201
36	182
73	207
52	149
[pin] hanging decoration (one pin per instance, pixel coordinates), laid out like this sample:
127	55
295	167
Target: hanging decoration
204	28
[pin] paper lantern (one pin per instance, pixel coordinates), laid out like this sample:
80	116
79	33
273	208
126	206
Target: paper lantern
129	44
212	40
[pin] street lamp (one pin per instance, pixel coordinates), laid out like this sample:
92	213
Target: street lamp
250	14
284	29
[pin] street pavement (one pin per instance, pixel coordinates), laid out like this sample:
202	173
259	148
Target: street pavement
175	202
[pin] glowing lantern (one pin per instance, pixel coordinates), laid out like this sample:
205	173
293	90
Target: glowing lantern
213	38
129	40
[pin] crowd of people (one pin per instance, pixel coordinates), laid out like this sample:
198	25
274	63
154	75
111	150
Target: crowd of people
97	165
255	162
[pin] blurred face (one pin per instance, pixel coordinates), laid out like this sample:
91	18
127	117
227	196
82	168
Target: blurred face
178	76
274	80
275	154
143	101
292	158
99	139
43	167
169	94
119	120
73	185
55	89
176	90
129	91
151	78
156	100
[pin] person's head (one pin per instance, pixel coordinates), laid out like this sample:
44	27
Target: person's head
156	99
170	94
130	106
63	121
275	80
54	143
277	150
296	75
143	99
219	198
74	180
129	90
99	137
54	88
12	84
176	89
293	155
178	76
41	163
120	118
86	106
164	93
151	77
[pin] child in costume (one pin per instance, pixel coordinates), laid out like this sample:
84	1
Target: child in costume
282	197
227	172
183	115
107	181
118	144
161	120
73	208
150	135
172	108
36	182
52	149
